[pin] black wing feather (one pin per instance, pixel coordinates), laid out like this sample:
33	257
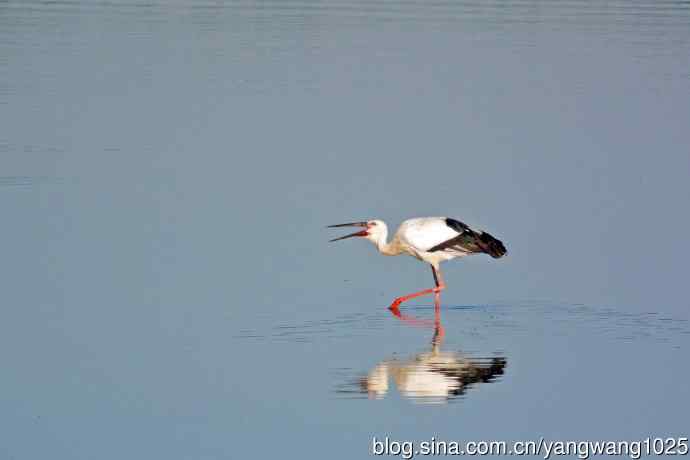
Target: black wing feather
470	241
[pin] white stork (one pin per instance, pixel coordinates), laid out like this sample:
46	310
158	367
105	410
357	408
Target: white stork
429	239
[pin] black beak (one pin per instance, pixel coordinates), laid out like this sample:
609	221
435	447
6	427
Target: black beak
351	224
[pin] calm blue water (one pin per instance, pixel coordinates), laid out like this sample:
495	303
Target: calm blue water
167	169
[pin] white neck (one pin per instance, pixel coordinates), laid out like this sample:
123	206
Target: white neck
387	249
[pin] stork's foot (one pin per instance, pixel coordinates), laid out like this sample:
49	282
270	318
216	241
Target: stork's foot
395	306
395	312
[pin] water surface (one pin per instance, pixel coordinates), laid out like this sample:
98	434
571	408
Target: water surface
167	169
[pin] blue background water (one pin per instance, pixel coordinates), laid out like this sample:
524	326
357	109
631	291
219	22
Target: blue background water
167	169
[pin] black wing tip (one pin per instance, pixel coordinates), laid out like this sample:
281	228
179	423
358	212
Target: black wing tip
493	246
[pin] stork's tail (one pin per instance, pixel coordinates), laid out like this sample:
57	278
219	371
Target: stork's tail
491	245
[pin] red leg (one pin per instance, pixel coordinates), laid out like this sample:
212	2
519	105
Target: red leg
438	279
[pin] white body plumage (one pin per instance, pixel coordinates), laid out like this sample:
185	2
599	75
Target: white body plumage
416	237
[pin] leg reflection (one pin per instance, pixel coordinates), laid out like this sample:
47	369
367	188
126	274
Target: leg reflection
439	332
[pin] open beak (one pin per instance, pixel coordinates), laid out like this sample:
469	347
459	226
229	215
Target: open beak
351	224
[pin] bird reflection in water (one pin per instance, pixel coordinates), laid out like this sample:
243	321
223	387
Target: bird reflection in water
433	376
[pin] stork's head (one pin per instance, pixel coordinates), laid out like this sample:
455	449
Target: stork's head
373	230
